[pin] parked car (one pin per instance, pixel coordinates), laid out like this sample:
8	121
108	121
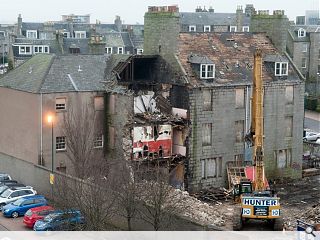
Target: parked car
60	220
8	181
318	141
22	205
311	136
13	194
37	213
10	185
4	176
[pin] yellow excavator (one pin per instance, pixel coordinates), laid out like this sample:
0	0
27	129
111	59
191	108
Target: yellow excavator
256	199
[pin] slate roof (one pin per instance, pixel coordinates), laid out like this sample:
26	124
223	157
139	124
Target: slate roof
232	54
114	40
211	18
47	73
83	44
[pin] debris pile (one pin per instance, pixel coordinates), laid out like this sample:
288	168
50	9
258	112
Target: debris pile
214	195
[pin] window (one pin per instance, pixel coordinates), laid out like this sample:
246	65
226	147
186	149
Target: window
289	125
98	141
139	51
207	71
318	69
120	50
14	194
211	167
206	134
305	47
301	32
319	55
289	94
66	34
2	34
25	50
233	28
60	143
40	49
80	34
32	34
239	97
98	103
207	28
28	202
43	35
304	62
281	69
245	29
108	50
60	103
207	100
192	28
283	158
239	127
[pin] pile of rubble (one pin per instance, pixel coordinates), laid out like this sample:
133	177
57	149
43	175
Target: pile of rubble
214	195
199	211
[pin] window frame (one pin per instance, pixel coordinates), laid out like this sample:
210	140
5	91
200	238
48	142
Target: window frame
32	32
192	28
205	71
98	139
60	108
301	33
107	50
281	68
81	34
139	51
61	142
304	63
25	51
245	29
206	128
233	27
118	50
206	27
305	47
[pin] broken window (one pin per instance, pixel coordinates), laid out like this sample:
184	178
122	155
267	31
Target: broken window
240	98
283	158
289	94
211	167
289	125
206	134
207	100
239	127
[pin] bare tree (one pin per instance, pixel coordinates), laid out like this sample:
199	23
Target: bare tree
160	201
79	126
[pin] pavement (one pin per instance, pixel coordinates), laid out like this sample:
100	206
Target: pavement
312	115
12	224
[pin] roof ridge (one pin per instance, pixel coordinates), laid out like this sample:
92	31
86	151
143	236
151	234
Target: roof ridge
53	57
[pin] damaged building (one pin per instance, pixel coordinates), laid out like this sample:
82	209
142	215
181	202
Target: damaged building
188	100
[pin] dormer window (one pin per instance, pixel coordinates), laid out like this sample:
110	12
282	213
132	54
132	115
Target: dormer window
233	28
32	34
301	32
192	28
281	69
207	71
207	28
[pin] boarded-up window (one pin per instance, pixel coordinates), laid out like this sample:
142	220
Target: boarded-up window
207	100
283	158
206	134
219	166
240	98
289	94
211	167
239	127
203	168
289	125
98	103
111	137
112	100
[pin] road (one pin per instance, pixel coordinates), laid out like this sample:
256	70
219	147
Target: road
312	121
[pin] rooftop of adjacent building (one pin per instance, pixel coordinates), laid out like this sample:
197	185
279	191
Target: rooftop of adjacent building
48	73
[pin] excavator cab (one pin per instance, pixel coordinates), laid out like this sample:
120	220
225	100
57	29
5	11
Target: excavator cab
244	187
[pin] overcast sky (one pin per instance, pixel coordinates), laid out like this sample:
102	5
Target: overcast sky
132	11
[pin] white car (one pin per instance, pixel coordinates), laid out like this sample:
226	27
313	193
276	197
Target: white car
311	136
12	194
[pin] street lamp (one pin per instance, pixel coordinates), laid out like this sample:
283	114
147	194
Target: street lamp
50	121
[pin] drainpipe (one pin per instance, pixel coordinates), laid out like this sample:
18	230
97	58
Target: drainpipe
41	147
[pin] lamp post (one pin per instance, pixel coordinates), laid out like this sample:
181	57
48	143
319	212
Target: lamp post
50	121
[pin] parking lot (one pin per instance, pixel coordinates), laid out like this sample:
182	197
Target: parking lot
12	224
